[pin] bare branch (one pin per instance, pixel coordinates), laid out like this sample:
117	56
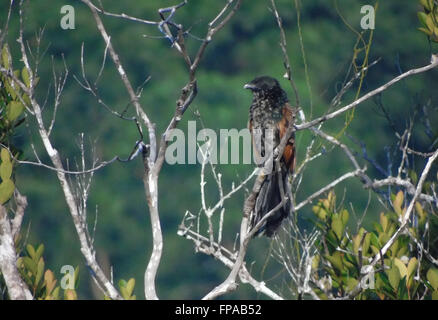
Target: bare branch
21	202
433	64
283	45
328	187
17	289
124	77
86	248
121	15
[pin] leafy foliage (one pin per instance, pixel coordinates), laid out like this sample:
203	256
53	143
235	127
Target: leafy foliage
344	256
127	288
11	109
12	98
42	282
429	19
7	185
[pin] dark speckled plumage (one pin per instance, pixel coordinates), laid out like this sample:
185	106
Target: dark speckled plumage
270	110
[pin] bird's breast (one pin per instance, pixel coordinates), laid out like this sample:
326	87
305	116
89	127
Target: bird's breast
264	115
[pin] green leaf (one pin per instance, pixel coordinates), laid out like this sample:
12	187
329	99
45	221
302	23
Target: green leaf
5	170
40	271
338	227
422	17
122	283
391	230
11	90
76	276
6	57
394	248
421	214
7	188
394	277
31	251
124	293
357	242
375	240
130	286
398	202
5	157
30	265
374	249
366	244
25	76
14	109
331	200
351	283
429	22
435	295
336	260
332	241
315	262
39	252
27	277
345	216
432	276
384	281
402	290
427	4
320	212
383	221
401	267
412	267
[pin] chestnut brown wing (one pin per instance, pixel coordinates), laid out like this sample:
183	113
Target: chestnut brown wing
288	116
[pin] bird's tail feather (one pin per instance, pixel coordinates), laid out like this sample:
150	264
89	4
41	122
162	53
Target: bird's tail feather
268	198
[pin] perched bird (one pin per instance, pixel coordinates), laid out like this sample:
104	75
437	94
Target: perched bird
269	117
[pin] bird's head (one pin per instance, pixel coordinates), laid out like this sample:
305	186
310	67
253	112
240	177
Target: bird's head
266	87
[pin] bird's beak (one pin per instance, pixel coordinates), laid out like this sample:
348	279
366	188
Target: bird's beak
249	86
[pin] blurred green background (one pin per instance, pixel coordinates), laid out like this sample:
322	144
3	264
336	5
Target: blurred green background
247	47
